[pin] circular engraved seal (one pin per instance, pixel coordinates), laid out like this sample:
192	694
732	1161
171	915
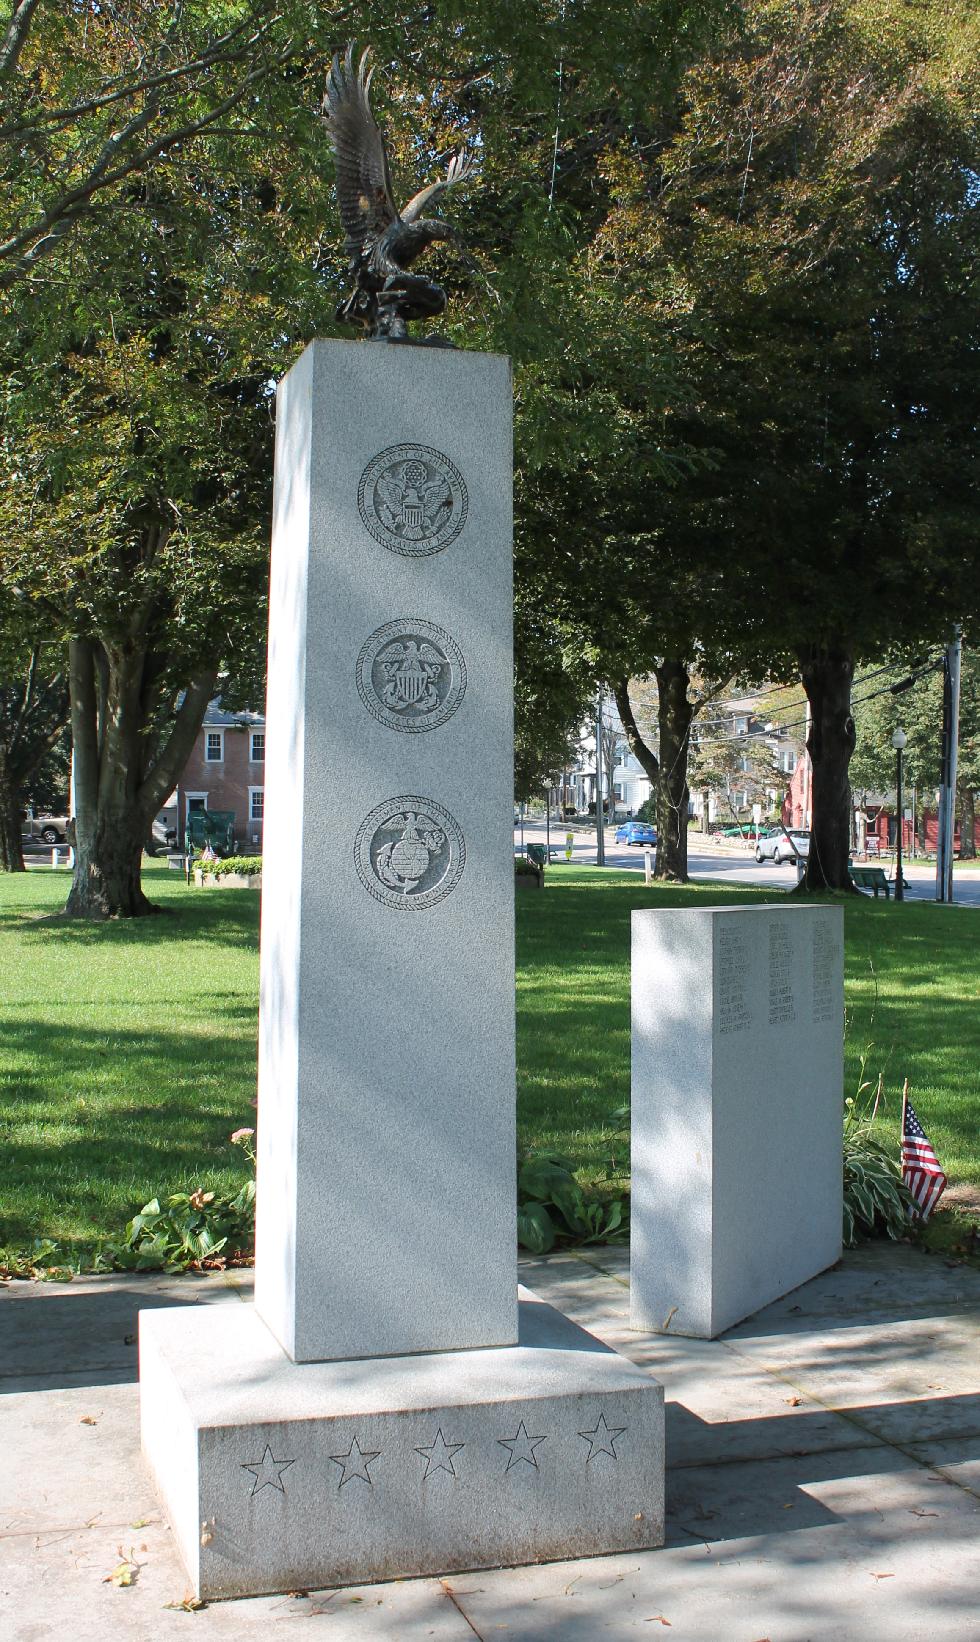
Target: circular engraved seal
412	500
411	675
409	852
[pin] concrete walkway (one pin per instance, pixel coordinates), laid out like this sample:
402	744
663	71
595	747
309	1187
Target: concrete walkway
824	1477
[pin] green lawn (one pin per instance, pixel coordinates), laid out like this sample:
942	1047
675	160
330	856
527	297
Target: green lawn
129	1048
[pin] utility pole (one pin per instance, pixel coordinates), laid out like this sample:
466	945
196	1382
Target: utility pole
600	830
806	817
947	792
899	739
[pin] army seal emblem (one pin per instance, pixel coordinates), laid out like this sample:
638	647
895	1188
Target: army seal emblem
411	675
409	853
412	500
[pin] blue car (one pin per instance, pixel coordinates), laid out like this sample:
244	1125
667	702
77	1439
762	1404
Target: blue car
636	832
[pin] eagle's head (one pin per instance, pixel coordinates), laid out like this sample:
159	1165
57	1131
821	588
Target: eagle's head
434	228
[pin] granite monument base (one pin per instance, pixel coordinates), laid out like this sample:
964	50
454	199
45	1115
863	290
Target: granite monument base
281	1476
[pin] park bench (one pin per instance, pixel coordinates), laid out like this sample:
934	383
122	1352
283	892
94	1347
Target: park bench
870	878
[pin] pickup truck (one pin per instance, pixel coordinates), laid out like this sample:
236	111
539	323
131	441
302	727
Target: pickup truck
45	829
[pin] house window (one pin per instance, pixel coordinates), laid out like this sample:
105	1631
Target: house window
256	803
257	747
214	747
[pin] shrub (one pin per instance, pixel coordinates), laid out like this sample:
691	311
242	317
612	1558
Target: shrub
551	1204
245	864
876	1198
190	1228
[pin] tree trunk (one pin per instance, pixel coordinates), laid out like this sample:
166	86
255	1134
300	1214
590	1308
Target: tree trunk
968	823
674	715
826	673
11	848
106	882
116	797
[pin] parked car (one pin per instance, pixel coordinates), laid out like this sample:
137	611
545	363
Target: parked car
788	844
50	829
636	832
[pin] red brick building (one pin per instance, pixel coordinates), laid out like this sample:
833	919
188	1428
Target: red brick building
225	771
879	809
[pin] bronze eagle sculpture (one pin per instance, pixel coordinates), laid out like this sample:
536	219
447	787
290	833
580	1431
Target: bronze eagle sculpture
382	242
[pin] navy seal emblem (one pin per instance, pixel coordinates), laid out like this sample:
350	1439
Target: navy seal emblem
411	675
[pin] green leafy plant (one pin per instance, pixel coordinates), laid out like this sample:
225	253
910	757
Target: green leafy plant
551	1204
245	864
191	1228
876	1198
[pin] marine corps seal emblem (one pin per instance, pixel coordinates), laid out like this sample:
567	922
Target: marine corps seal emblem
409	853
412	500
411	675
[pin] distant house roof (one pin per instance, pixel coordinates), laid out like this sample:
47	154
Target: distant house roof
215	718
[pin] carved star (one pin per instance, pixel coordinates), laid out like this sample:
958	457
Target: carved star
355	1462
521	1447
602	1438
439	1455
268	1472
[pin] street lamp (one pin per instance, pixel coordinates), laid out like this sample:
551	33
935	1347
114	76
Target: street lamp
899	739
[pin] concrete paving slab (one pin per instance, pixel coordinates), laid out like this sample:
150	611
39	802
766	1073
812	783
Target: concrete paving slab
851	1513
84	1332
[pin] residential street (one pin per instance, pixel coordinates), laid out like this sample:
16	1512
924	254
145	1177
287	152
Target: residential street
710	862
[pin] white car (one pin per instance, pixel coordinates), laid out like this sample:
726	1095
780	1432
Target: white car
793	844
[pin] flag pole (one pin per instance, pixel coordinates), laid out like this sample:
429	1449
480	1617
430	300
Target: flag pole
905	1101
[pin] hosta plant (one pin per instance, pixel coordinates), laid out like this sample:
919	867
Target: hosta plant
876	1198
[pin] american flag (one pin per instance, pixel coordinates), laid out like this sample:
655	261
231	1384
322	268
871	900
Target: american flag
920	1165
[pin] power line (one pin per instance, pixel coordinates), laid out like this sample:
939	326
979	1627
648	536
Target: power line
787	706
764	734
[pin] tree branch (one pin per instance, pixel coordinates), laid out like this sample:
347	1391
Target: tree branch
645	755
59	217
162	778
84	735
217	56
15	36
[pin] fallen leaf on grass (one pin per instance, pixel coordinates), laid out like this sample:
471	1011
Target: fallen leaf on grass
187	1604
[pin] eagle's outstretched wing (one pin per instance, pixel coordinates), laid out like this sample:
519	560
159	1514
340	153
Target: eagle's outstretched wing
364	194
459	169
